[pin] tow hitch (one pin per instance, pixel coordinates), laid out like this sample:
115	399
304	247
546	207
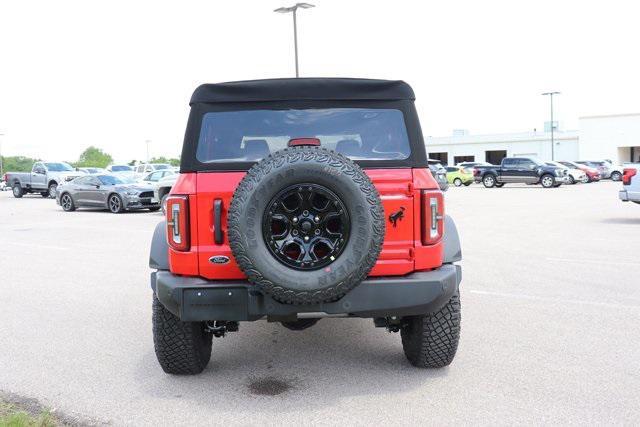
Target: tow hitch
219	328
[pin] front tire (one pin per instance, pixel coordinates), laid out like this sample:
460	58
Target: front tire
154	209
547	181
52	190
431	340
489	181
457	182
572	180
182	348
616	176
115	204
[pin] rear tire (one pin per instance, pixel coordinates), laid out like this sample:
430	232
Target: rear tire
489	181
18	192
499	184
66	201
457	182
616	176
182	348
154	209
431	341
572	180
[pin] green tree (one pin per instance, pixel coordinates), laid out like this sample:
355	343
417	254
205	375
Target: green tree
163	159
94	157
17	163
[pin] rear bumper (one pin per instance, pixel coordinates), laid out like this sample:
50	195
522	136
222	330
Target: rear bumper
197	299
629	196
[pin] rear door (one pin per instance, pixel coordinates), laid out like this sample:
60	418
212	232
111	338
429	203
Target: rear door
509	170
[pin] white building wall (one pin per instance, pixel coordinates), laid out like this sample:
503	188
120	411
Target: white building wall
533	144
610	137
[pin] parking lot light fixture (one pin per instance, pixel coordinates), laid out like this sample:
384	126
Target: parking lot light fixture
293	9
550	94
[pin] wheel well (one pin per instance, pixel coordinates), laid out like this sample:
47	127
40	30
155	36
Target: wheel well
53	181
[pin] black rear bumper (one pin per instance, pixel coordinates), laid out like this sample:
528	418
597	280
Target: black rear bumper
197	299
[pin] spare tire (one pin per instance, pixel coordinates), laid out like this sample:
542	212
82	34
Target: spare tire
306	225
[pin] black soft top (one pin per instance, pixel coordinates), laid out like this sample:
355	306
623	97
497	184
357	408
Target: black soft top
301	89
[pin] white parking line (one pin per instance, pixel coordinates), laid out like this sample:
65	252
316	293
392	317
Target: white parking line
595	261
554	299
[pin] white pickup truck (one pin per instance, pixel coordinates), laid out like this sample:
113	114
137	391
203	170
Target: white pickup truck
631	184
43	178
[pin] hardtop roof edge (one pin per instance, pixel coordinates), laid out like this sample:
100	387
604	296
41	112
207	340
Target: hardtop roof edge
303	89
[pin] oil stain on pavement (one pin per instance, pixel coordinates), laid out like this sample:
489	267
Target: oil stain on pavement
269	386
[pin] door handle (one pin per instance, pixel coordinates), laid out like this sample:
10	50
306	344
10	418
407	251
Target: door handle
218	237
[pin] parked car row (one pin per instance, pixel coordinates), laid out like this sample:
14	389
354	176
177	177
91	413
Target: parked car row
527	170
117	188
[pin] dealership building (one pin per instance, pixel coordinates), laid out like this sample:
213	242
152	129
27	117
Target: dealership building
614	137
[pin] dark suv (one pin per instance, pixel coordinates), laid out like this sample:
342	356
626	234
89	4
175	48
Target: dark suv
300	199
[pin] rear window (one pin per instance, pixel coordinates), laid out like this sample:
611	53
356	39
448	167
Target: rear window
250	135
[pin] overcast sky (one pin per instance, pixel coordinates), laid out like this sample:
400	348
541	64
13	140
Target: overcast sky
116	73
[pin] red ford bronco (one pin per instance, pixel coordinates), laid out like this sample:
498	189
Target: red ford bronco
300	199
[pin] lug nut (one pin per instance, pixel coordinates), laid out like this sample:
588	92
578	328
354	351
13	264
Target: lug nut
295	219
294	232
317	231
305	213
306	238
316	219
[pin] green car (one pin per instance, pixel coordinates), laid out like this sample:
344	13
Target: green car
459	176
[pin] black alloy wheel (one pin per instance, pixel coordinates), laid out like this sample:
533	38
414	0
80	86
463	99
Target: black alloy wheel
306	226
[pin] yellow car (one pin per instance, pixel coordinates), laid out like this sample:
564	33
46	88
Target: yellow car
459	176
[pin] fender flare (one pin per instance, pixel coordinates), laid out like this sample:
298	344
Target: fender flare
159	253
451	240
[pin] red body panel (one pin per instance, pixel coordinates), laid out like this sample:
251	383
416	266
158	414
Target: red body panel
402	250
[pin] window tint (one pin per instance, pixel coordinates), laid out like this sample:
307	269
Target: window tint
525	163
451	169
509	162
358	133
83	180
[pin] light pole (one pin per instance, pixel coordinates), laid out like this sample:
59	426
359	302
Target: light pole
147	141
293	9
550	94
1	170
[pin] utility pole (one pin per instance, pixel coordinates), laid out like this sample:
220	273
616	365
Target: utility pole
550	94
294	9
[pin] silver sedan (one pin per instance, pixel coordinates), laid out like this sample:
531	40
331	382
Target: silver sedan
105	191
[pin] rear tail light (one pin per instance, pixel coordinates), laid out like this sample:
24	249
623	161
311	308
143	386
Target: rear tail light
476	171
627	174
178	222
432	223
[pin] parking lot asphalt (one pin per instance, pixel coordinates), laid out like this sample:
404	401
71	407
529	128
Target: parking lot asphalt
550	313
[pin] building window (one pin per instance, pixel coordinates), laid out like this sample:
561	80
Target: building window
442	157
460	159
494	156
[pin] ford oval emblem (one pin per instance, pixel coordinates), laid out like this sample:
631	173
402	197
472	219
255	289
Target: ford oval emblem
219	259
